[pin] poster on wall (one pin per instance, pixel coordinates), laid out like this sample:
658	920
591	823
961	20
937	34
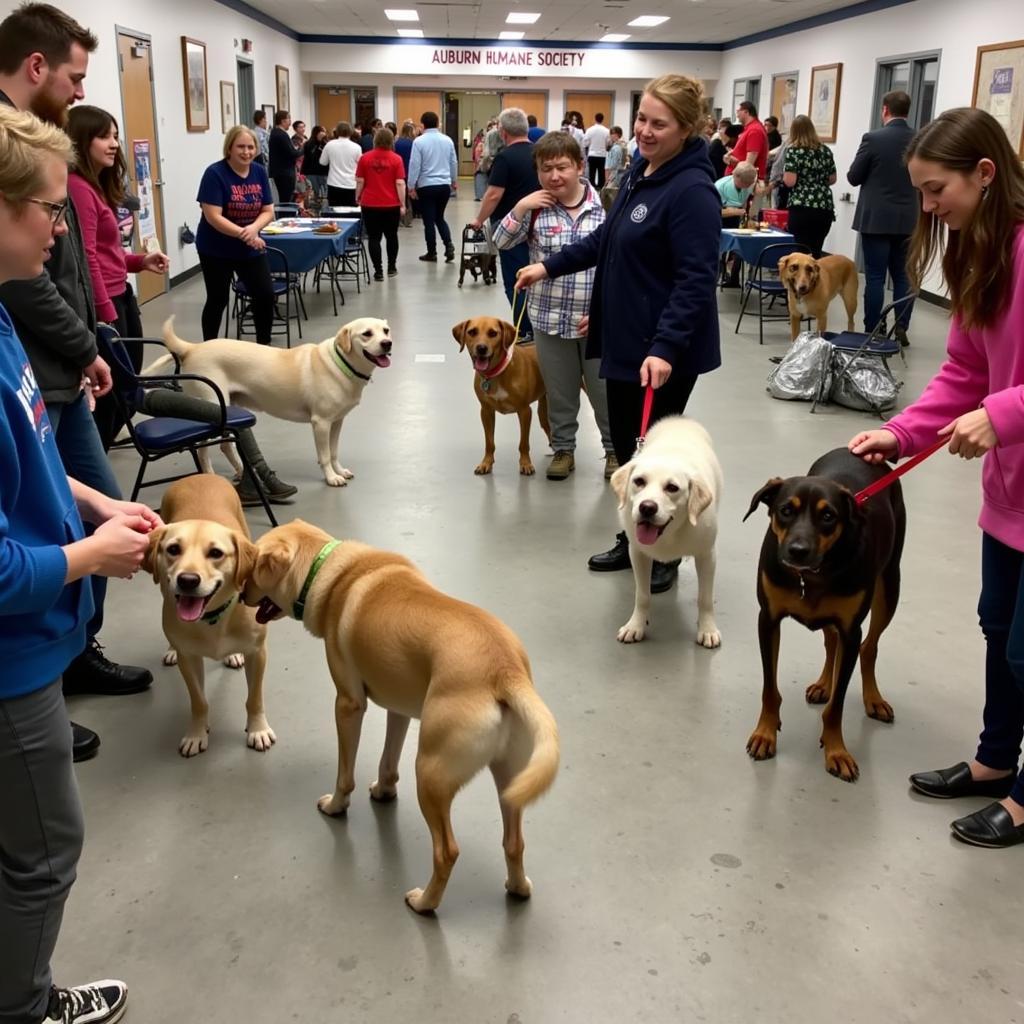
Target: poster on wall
784	99
999	88
144	183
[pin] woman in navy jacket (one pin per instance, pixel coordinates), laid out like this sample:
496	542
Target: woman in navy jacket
654	313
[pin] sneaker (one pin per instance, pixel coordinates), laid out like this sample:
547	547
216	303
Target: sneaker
102	1002
561	466
614	559
378	275
429	257
93	672
392	271
611	463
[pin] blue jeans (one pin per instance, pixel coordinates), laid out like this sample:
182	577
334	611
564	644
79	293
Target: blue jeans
513	260
1001	613
885	254
433	199
81	451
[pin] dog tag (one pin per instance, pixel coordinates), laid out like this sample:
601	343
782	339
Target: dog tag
485	385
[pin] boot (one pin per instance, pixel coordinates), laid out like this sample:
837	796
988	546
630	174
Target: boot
276	490
614	559
449	253
663	575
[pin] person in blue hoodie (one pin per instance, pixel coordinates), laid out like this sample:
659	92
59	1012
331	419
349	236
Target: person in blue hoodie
654	312
45	604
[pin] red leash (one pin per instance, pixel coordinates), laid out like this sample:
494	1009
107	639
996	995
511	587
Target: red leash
882	482
645	419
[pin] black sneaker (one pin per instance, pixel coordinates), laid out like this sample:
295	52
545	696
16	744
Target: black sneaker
429	257
85	744
102	1002
93	672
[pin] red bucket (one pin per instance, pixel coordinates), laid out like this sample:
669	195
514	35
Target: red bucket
776	218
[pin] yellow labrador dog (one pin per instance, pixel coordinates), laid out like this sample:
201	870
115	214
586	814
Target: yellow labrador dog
198	559
668	505
393	639
316	384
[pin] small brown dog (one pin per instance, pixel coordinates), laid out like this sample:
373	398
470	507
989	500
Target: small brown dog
507	380
199	559
812	284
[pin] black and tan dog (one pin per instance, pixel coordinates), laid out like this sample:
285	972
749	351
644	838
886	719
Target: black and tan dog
827	562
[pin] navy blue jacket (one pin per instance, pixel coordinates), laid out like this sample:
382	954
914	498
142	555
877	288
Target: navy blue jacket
887	204
657	267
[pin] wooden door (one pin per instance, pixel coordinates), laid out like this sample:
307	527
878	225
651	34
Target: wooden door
535	103
136	71
411	104
589	104
332	107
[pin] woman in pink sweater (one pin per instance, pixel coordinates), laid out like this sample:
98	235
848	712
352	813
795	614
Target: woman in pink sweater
971	182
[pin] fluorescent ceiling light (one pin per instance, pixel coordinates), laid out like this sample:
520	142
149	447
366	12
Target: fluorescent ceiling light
648	20
402	15
614	37
517	18
410	33
511	35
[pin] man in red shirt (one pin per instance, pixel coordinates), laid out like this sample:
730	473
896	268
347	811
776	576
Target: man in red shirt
752	145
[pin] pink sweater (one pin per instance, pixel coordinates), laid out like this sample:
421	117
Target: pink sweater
109	264
983	367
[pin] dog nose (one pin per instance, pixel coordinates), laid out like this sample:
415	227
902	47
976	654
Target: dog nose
481	350
188	580
385	346
648	509
798	552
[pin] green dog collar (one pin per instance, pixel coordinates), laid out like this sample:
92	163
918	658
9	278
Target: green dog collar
300	605
212	618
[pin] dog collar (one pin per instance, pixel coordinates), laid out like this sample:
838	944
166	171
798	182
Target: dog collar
491	374
346	367
212	618
300	605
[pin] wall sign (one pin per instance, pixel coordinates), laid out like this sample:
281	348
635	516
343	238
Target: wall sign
507	57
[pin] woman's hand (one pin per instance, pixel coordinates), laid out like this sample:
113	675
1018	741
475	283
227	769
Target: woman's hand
248	233
530	275
538	200
655	372
156	262
258	244
99	508
875	445
970	435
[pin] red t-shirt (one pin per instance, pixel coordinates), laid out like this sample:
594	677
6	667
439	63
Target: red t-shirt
753	137
380	170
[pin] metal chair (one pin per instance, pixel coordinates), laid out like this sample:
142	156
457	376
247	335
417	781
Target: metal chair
352	264
768	288
286	285
286	210
158	437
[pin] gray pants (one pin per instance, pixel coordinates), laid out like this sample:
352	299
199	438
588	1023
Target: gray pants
563	364
41	835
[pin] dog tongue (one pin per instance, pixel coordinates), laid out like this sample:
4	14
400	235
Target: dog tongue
383	361
481	363
189	608
647	533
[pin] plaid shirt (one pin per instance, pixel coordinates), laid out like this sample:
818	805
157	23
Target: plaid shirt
555	306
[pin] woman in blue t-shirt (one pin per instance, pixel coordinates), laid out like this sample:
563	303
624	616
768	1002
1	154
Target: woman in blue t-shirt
237	204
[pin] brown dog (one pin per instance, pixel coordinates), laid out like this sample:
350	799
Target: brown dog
199	559
392	638
507	380
812	284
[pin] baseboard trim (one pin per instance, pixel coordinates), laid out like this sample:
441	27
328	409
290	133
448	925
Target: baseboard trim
935	299
186	275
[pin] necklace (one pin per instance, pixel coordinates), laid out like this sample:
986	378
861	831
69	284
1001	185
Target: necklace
576	206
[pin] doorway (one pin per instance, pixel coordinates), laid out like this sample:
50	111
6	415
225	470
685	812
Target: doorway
467	113
142	150
590	103
246	91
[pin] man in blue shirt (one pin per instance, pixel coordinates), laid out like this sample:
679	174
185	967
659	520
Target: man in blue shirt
534	133
433	176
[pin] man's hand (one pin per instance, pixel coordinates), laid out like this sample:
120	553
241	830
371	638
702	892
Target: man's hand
970	435
538	200
98	375
412	194
654	371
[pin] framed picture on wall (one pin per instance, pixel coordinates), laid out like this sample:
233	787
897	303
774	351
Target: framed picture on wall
826	81
269	109
283	92
228	110
197	102
999	88
784	99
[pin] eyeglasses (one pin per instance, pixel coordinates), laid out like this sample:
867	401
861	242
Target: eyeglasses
58	211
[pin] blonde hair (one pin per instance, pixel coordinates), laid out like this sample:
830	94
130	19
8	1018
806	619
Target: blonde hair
23	138
746	172
803	134
232	137
684	96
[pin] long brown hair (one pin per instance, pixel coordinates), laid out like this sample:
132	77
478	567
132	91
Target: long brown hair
976	260
86	123
803	134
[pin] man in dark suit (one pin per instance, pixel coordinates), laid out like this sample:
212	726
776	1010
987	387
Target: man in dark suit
282	168
886	210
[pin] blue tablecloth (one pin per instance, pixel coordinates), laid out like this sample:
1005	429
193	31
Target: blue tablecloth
306	250
750	246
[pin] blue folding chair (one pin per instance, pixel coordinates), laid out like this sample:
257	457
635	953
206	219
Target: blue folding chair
286	210
286	285
769	289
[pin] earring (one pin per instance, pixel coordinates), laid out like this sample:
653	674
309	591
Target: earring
984	191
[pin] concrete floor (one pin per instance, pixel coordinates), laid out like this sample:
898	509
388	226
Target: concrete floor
675	879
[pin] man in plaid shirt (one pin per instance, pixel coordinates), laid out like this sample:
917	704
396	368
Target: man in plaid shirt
564	210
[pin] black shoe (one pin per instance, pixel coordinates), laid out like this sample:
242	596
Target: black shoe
614	559
84	743
102	1002
378	275
449	253
392	271
901	336
991	826
280	494
947	783
429	257
93	672
663	575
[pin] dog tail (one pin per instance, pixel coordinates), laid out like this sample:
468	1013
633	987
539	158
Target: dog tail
177	346
535	779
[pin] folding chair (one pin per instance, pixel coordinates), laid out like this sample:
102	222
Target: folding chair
848	346
286	285
158	437
286	210
352	264
768	288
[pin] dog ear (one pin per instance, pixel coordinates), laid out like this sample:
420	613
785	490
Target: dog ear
620	481
783	263
245	558
700	498
765	495
459	334
855	513
508	334
344	336
149	558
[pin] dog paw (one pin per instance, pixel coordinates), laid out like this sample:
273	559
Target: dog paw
762	743
259	735
841	764
381	793
194	743
334	479
818	693
331	805
414	897
342	471
708	636
880	709
526	469
171	657
632	632
521	889
235	661
484	468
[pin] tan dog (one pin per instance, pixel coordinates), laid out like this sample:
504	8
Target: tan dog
507	380
812	284
199	559
392	638
316	384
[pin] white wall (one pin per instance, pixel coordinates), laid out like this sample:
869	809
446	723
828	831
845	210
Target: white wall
951	26
184	155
